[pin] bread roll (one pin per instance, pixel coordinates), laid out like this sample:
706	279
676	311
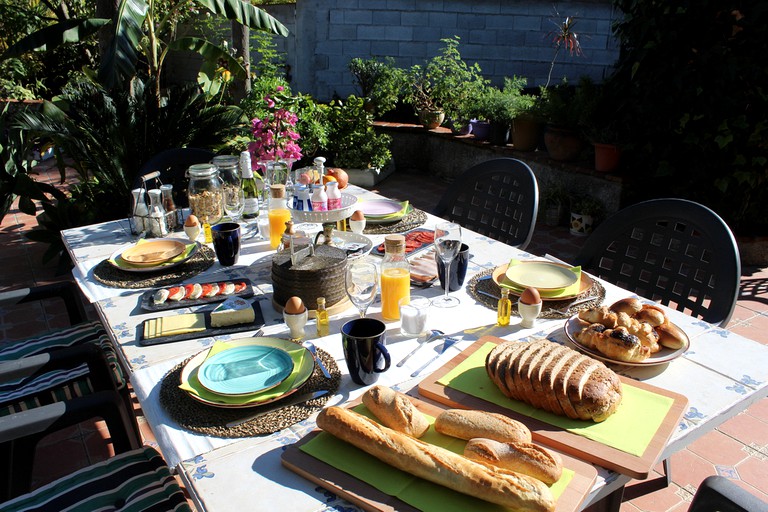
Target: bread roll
653	315
629	306
395	410
671	336
469	424
570	383
526	458
436	464
616	343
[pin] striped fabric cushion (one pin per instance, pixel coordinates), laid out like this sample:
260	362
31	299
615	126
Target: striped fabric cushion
138	480
24	394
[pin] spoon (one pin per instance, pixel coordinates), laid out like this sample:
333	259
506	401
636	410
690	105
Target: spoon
433	335
311	347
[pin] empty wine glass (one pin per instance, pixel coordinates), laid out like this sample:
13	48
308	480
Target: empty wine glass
362	281
234	203
447	245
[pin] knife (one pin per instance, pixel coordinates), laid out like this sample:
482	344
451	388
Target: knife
279	405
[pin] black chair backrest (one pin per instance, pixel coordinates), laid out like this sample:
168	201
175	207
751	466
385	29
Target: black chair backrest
498	198
172	164
674	251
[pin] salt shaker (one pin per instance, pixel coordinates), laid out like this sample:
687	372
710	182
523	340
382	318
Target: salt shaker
157	226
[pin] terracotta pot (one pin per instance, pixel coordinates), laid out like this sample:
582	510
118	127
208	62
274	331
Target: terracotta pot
431	119
562	144
525	134
607	157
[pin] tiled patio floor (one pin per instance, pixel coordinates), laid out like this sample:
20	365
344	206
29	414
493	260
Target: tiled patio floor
737	450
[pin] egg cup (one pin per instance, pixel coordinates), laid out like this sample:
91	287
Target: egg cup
192	232
357	226
296	323
528	313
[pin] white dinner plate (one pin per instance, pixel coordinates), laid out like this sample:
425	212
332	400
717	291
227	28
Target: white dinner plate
380	207
665	355
542	275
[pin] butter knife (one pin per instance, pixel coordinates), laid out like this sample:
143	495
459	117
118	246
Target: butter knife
279	405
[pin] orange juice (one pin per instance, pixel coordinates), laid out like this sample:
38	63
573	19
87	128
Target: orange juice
277	220
395	284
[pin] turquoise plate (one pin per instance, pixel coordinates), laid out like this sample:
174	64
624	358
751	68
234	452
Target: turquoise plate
245	370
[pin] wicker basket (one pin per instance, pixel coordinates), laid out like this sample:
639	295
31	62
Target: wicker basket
321	275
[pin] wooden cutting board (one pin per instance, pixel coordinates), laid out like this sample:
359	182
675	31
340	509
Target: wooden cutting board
369	498
555	437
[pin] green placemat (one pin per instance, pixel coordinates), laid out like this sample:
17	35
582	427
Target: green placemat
412	220
114	277
477	285
208	420
629	429
415	491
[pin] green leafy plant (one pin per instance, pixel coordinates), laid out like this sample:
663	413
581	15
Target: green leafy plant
352	140
503	105
379	82
587	205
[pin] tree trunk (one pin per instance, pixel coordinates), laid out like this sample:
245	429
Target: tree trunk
241	88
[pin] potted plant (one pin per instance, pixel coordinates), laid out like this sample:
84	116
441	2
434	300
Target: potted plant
562	107
600	123
526	125
585	212
554	200
496	106
352	140
442	86
379	81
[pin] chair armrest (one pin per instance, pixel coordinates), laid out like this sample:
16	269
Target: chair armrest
65	290
719	493
62	359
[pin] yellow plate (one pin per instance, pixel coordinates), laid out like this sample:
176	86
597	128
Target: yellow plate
541	275
303	366
584	285
155	252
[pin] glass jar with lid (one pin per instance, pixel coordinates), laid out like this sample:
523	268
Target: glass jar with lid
205	193
228	167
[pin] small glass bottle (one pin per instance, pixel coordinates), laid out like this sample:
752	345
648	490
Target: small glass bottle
323	324
140	210
279	214
319	199
395	277
171	214
250	190
334	196
157	226
320	168
504	308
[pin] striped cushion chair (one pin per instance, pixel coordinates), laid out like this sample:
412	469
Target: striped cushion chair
138	480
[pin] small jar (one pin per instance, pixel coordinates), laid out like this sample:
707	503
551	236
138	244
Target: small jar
169	205
206	198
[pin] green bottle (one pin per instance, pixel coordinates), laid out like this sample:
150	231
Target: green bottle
250	190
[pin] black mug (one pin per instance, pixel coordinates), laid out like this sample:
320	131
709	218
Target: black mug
226	242
458	268
364	341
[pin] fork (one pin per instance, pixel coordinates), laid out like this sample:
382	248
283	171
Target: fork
564	311
448	343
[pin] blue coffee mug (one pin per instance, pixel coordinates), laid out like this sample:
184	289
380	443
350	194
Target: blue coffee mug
226	242
364	341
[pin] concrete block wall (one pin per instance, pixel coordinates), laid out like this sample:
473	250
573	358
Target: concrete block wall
505	37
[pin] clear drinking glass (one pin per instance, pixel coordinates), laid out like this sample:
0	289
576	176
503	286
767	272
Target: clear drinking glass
447	245
362	282
234	203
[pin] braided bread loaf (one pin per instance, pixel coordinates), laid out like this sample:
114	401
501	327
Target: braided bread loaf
554	378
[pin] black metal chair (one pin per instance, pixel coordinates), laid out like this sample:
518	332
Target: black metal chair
171	166
674	251
498	198
718	494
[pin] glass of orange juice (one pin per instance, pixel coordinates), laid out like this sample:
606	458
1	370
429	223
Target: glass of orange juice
277	219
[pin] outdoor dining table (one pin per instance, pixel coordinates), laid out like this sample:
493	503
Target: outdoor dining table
720	375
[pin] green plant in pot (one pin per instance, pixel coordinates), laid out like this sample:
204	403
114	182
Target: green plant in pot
601	122
379	82
497	107
352	141
526	125
562	106
585	213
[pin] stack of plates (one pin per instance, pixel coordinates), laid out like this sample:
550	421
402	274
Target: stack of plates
247	372
553	280
151	255
382	211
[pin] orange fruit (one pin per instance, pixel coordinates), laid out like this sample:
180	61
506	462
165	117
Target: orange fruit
327	178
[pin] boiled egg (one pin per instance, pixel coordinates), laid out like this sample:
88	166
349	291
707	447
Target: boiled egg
294	306
530	296
192	221
358	215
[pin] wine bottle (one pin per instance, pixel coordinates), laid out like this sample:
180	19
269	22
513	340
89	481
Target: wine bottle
250	190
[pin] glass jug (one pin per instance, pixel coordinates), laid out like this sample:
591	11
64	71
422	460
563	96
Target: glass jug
205	193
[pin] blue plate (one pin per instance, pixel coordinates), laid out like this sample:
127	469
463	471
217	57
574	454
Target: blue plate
245	370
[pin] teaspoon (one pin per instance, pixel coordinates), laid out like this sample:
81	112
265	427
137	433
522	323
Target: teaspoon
433	335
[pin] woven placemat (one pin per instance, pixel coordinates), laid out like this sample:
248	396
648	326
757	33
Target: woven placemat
211	421
477	284
109	275
412	220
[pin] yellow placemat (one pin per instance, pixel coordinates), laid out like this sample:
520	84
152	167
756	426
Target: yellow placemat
121	263
192	384
568	291
629	429
415	491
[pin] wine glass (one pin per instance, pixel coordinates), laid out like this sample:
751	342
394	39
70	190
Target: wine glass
447	245
234	203
362	281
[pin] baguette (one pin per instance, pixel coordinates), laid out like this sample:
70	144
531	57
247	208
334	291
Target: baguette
526	458
470	424
436	464
395	410
568	383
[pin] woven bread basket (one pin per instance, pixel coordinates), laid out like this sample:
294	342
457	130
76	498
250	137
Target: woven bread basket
321	275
